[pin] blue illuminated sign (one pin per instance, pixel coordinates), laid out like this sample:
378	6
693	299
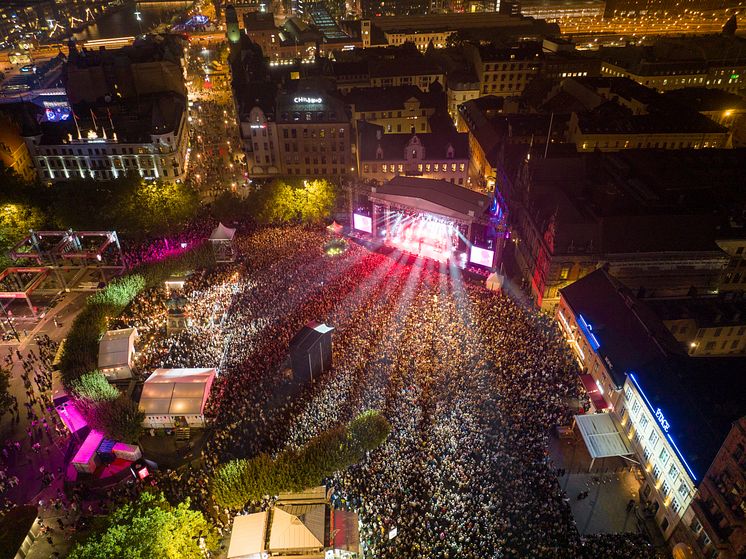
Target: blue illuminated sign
664	424
588	332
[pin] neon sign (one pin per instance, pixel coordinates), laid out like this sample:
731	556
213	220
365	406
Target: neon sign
589	335
312	100
662	420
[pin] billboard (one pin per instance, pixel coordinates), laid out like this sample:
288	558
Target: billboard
362	223
481	256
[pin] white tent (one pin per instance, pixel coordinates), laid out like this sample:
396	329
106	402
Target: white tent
601	436
495	281
172	393
221	240
247	536
115	352
222	233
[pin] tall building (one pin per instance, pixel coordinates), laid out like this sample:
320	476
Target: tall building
152	65
683	418
654	217
146	137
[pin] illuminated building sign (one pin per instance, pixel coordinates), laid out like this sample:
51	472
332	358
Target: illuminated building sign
662	420
588	332
311	100
734	76
664	425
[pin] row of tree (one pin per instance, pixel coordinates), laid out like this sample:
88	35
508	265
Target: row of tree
246	480
281	201
129	205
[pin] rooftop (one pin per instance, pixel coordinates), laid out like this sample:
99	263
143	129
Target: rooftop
700	397
702	99
707	312
133	120
436	143
446	198
392	98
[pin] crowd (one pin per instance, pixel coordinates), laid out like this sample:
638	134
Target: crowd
471	381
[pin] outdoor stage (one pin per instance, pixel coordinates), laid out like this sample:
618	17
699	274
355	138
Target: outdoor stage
432	219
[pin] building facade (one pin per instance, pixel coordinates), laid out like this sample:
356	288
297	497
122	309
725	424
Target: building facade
433	155
307	134
113	145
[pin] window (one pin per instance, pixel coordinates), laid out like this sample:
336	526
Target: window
628	393
695	526
673	472
665	489
664	524
664	456
564	272
653	438
675	506
644	422
683	490
635	408
657	471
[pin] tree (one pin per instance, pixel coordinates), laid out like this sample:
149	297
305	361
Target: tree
93	388
119	419
5	398
239	481
150	528
283	201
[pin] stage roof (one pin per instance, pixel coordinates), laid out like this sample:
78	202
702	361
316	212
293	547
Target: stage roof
601	436
176	391
433	196
247	536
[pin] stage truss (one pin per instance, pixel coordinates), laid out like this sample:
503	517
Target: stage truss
77	260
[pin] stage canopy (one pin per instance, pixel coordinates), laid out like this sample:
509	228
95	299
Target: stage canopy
115	352
222	233
601	436
433	196
176	391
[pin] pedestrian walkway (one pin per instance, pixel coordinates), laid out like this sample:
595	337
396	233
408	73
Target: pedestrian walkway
602	501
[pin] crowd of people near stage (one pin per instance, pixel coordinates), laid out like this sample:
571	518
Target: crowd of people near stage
471	381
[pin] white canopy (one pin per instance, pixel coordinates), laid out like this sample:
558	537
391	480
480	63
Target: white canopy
222	233
247	536
176	391
601	436
495	281
115	351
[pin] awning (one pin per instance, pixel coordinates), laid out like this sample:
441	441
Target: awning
601	436
594	393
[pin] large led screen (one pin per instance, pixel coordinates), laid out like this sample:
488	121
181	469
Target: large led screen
362	223
481	256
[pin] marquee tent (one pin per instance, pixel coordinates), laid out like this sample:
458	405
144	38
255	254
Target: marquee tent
601	436
115	352
169	394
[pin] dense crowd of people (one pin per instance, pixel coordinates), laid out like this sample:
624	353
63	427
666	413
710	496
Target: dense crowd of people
471	381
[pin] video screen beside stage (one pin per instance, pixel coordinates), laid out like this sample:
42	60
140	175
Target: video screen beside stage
481	256
362	223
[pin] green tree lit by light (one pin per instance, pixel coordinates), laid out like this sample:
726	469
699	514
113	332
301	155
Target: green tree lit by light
150	528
